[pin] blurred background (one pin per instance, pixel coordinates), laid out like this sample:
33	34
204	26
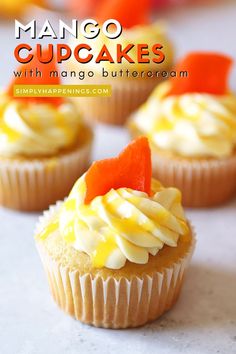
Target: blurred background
192	24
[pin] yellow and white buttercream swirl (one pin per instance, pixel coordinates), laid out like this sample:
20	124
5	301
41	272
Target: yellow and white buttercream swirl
121	225
36	129
191	125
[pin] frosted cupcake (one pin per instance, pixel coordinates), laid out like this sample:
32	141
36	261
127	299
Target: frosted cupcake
128	92
44	148
116	250
191	125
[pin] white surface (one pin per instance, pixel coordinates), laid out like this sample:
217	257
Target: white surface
204	319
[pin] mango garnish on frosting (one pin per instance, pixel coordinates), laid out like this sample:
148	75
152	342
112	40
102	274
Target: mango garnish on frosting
192	116
129	13
207	73
120	214
130	169
46	78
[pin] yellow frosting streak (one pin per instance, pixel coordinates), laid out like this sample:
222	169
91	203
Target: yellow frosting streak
36	129
190	124
10	134
123	224
49	229
104	248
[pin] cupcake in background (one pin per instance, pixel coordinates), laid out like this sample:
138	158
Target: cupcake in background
127	92
44	144
116	250
82	8
191	125
14	8
87	8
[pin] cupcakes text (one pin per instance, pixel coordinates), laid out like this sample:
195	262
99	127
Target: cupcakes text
83	53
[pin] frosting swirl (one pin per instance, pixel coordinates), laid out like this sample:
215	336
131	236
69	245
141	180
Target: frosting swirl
35	129
191	125
122	224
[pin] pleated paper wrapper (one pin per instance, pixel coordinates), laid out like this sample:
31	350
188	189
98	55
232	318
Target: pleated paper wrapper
127	96
204	182
111	302
35	184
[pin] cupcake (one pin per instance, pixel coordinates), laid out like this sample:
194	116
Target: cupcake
44	146
116	250
131	83
191	126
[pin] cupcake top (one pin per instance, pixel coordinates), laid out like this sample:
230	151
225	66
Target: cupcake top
116	212
36	129
193	116
139	34
137	29
36	126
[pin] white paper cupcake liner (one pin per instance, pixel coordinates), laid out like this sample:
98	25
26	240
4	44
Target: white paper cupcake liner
113	302
127	96
203	182
31	185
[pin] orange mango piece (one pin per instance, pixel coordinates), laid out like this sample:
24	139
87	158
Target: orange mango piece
128	13
132	168
207	73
